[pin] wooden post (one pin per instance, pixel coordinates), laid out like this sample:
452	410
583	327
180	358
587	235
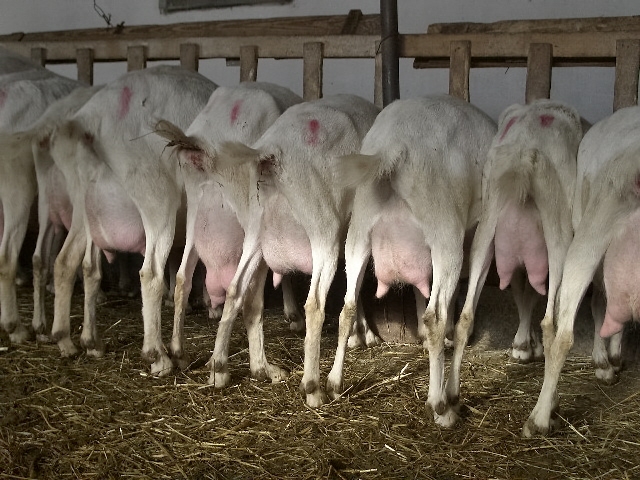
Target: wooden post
189	57
377	86
351	22
460	54
539	71
625	90
84	61
248	63
312	77
136	58
390	51
39	56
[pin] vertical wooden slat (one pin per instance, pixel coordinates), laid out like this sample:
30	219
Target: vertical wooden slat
351	22
460	55
539	71
84	61
136	58
312	81
248	63
625	90
39	56
189	57
377	86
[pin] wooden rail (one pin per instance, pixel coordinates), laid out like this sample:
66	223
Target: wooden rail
540	51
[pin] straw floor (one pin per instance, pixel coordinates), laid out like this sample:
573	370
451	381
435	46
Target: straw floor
105	418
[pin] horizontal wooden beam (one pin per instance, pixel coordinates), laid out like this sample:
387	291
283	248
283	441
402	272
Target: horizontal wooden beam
566	47
358	24
115	49
544	25
510	62
492	45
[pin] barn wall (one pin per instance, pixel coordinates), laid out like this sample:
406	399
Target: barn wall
590	89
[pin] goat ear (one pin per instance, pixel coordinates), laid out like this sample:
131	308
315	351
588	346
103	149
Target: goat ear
174	134
190	149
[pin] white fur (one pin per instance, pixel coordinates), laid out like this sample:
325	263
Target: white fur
427	154
26	90
527	161
608	163
99	143
296	176
257	106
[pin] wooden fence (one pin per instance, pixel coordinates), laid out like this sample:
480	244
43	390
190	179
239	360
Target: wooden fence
538	44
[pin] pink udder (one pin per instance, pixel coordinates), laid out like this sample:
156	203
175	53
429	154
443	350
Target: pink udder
508	127
235	112
125	101
400	252
622	276
314	129
285	243
546	120
519	242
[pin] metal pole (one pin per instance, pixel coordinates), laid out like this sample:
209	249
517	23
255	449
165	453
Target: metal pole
390	51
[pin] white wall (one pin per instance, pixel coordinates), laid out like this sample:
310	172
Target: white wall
589	89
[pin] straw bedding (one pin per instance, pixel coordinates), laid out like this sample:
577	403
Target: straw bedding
104	418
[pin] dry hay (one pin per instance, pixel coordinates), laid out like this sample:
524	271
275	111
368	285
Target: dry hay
89	418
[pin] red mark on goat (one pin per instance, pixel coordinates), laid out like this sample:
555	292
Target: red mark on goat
125	101
195	158
314	129
508	127
546	120
235	112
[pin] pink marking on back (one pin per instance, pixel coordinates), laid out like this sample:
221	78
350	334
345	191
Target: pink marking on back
3	98
546	120
508	127
235	112
125	101
314	128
